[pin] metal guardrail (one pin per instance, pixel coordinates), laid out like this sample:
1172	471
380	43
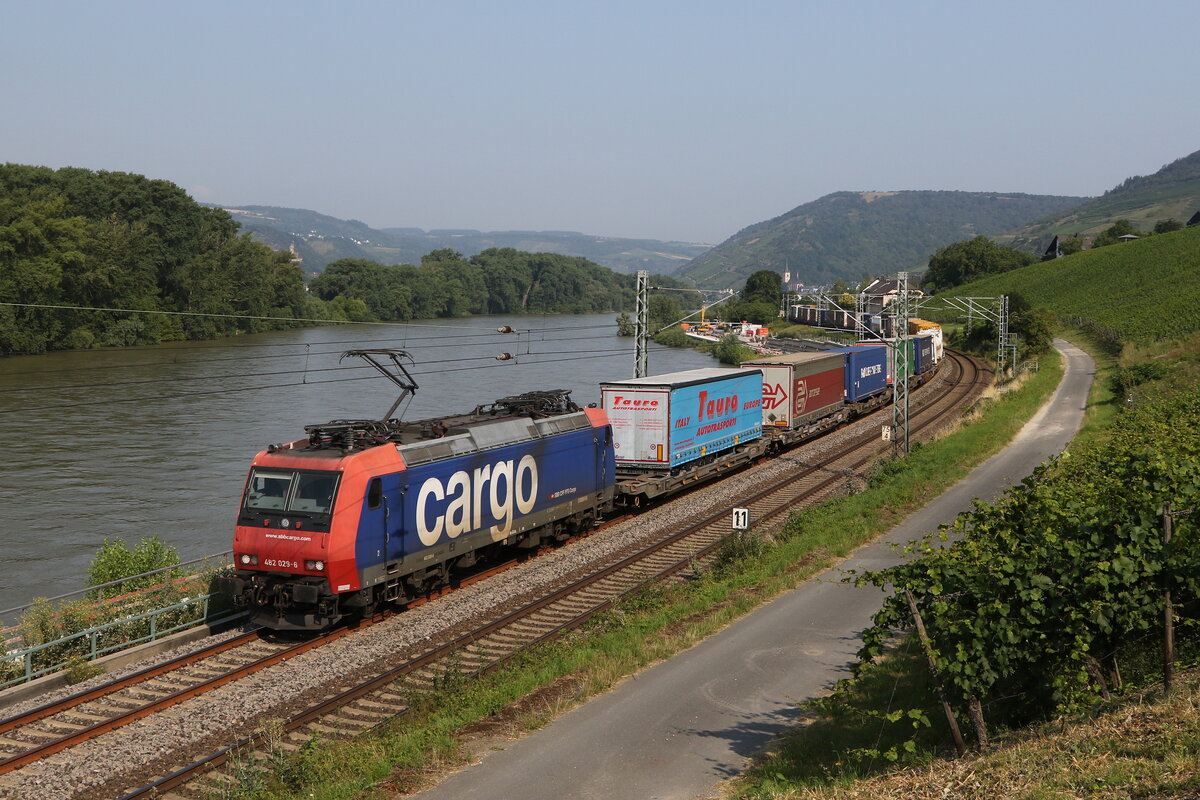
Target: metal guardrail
20	663
12	616
91	639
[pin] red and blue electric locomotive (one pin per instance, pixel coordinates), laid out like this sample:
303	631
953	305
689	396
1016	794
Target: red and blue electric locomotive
366	512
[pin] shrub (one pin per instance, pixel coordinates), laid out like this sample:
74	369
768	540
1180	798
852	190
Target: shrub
115	561
730	350
78	669
1124	379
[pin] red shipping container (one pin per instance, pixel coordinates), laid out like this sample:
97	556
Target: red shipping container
800	387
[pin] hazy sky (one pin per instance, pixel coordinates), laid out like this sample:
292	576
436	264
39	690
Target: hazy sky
671	120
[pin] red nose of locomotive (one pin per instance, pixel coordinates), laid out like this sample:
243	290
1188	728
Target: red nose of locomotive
284	546
281	544
285	518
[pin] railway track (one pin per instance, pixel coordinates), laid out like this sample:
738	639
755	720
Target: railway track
47	729
347	710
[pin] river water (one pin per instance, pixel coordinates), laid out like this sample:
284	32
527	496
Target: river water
146	441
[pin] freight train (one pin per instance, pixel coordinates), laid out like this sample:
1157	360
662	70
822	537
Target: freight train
361	513
882	325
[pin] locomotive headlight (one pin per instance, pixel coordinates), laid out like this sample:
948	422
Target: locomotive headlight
248	559
317	566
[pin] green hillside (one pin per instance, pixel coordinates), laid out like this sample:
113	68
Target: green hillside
1171	193
320	240
1143	290
851	235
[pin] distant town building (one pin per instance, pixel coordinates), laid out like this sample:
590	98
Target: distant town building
882	292
1195	220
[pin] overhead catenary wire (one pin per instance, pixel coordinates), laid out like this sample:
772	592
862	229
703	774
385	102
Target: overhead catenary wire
187	395
305	370
258	318
254	317
146	381
414	346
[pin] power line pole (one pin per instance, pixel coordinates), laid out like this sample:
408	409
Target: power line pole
984	309
642	326
900	370
1003	346
861	303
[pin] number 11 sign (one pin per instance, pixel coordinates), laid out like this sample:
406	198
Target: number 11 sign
741	519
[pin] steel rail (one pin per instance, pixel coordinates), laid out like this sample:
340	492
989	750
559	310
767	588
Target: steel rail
87	696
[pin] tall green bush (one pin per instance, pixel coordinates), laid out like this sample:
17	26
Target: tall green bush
115	561
730	350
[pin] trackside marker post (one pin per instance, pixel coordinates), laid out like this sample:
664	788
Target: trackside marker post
741	519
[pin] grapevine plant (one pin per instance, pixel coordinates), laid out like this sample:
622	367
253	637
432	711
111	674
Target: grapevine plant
1029	600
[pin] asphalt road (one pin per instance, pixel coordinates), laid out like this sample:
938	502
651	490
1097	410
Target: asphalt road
679	728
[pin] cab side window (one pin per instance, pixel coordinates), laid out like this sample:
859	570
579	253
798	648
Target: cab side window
375	494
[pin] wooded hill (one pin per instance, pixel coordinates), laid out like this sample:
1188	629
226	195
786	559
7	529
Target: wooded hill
1171	193
497	281
320	240
852	235
83	254
73	237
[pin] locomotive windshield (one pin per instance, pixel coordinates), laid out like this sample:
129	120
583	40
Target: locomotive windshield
291	490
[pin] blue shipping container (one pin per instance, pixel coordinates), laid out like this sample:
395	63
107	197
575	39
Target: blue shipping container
664	421
866	372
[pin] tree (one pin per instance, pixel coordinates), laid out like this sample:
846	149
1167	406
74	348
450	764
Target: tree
963	262
730	350
1168	225
763	287
664	309
759	313
1033	327
114	240
116	561
1036	328
1070	246
1113	234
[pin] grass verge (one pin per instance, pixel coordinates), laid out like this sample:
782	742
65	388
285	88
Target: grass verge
449	727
